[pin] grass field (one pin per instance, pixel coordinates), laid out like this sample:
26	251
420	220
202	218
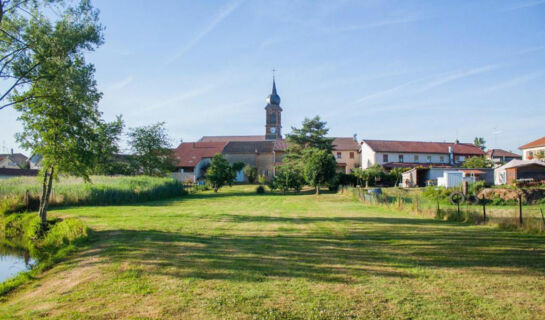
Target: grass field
238	255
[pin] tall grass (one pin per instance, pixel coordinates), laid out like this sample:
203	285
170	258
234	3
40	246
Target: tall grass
74	191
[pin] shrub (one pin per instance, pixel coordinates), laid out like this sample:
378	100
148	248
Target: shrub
260	189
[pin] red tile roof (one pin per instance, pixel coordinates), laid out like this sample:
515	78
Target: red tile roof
537	143
188	154
502	153
423	147
341	143
231	138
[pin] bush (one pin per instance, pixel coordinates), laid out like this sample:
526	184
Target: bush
260	189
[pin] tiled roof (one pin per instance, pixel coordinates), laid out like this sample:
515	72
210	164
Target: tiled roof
537	143
423	147
502	153
231	138
249	147
342	143
19	158
188	154
521	163
390	165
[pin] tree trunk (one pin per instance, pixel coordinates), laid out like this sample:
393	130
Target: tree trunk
317	190
46	193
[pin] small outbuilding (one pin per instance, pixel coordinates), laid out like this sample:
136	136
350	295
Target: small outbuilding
519	169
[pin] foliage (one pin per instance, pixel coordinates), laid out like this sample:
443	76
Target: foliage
261	179
107	148
58	108
318	167
220	172
250	173
236	168
480	143
477	163
311	135
74	191
152	149
288	177
376	175
260	189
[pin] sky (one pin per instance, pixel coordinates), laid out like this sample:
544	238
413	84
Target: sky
397	70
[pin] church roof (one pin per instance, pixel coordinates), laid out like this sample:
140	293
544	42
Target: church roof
249	147
231	138
273	98
188	154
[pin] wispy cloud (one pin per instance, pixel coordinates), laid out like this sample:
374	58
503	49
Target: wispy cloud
514	82
380	23
177	99
121	84
384	92
457	75
524	5
218	18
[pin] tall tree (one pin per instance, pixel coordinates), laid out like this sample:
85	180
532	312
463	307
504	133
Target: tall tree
319	167
480	142
107	146
58	108
311	135
477	163
152	149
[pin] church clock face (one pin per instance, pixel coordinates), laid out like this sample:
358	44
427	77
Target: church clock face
273	130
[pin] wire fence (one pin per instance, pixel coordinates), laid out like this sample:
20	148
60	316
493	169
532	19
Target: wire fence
528	217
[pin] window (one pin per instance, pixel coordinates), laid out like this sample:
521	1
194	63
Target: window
400	157
416	158
384	158
442	158
339	155
429	159
266	173
351	155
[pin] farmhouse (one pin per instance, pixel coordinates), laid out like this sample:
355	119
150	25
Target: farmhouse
534	149
265	152
409	154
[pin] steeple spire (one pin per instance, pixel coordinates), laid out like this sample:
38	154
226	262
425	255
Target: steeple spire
273	98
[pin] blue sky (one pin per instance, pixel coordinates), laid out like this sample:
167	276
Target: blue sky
405	70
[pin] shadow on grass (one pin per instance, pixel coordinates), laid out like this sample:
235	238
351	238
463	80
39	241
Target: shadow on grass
386	252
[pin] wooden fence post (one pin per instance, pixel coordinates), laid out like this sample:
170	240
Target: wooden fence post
438	210
520	209
484	208
542	217
398	199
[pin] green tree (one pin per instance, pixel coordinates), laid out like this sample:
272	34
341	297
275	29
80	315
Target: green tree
480	142
311	135
58	106
152	149
318	167
371	175
219	173
108	161
236	168
477	162
250	173
288	177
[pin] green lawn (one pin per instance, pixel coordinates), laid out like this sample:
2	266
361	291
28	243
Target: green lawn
238	255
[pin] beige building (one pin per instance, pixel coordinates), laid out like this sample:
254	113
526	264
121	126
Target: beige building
347	154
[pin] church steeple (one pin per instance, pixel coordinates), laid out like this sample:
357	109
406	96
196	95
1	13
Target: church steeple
273	124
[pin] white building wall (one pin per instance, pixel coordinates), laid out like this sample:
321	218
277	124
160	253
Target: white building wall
526	152
368	156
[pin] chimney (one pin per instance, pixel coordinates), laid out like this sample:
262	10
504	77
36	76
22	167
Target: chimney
456	141
450	155
355	137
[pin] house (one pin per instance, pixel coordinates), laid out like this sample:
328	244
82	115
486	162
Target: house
409	154
192	158
534	149
519	169
499	156
347	154
13	161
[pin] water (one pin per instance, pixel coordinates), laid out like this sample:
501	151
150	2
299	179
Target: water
13	261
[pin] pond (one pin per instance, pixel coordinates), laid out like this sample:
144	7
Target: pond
13	261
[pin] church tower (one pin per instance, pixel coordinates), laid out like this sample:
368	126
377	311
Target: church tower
273	122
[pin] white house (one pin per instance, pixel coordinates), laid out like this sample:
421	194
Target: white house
534	149
391	154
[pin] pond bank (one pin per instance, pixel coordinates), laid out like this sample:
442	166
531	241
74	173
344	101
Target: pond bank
19	233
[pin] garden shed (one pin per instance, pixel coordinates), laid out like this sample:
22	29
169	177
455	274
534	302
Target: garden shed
519	169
